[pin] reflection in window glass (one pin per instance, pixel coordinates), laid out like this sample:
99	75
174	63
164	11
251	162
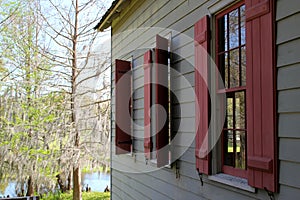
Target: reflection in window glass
234	29
243	66
240	151
226	71
232	64
229	149
225	33
234	130
232	43
230	112
243	25
234	69
240	108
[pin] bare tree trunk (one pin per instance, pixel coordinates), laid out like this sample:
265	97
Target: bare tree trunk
28	64
69	182
75	32
22	189
76	168
61	184
76	183
30	188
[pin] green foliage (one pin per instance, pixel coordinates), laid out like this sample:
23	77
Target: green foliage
36	123
3	186
85	196
86	169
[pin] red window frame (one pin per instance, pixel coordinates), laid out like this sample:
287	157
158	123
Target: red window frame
231	91
261	118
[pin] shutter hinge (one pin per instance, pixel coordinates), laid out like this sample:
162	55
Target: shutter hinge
270	194
177	171
170	55
201	178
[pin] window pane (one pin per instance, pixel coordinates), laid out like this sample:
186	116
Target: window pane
234	29
243	65
228	148
226	70
225	32
221	68
234	69
240	153
222	42
223	60
243	25
231	39
229	112
240	110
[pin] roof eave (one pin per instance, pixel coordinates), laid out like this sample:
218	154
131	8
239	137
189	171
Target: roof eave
111	13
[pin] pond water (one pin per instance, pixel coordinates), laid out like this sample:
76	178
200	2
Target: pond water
96	181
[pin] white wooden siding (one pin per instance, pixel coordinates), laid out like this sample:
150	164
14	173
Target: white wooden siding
288	86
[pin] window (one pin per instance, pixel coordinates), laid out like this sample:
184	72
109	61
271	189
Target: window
231	61
245	55
156	91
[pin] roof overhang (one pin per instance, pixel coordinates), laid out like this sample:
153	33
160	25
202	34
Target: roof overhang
113	12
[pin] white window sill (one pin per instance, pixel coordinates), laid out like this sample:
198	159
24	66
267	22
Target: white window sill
233	181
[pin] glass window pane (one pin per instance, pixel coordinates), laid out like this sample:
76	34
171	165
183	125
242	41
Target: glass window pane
240	153
223	64
225	33
240	110
243	65
228	148
243	25
222	42
234	69
233	29
226	70
229	112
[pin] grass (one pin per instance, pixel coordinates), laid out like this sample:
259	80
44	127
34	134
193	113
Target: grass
85	196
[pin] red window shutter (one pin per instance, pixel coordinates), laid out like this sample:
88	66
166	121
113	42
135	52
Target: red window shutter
162	99
261	105
202	45
123	138
147	104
